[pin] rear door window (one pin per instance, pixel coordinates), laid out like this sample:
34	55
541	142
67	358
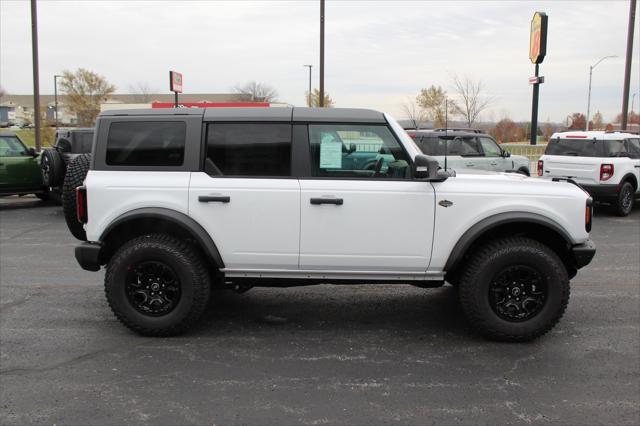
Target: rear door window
574	147
249	149
153	143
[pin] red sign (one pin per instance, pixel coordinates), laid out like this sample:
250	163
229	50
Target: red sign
209	104
536	80
175	81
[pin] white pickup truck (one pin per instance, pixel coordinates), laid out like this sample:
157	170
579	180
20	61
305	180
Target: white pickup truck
176	202
605	164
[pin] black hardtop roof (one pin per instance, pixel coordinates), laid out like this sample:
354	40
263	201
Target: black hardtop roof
295	114
448	133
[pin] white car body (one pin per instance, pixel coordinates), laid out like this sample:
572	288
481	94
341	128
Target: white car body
387	230
596	154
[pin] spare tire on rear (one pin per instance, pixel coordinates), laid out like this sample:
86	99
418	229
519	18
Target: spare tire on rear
52	168
76	172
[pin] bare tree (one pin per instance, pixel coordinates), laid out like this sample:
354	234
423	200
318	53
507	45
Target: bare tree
257	92
2	92
141	92
472	98
414	113
315	99
85	91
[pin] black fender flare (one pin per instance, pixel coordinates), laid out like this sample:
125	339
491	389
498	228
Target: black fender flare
491	222
176	218
631	178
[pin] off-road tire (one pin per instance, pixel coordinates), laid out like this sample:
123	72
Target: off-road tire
190	269
625	201
492	258
524	171
76	172
52	168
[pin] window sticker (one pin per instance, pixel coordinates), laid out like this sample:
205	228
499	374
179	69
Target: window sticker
330	152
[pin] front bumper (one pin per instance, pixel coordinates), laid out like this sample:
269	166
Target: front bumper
583	253
88	256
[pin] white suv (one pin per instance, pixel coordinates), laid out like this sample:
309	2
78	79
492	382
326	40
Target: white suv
176	202
605	164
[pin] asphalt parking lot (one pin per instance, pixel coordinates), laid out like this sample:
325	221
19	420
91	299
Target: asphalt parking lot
309	355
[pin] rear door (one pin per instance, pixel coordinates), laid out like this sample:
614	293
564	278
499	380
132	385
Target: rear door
358	221
246	197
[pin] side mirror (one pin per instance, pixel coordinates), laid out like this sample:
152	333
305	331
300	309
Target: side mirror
506	154
31	152
425	168
352	148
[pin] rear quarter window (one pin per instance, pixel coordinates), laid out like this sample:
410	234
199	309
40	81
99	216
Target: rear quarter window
153	143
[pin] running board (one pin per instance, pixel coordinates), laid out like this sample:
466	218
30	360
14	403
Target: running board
333	275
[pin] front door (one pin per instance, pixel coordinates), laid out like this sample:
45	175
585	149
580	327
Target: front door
19	171
363	218
493	155
246	198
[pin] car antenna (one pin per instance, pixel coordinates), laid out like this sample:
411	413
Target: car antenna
446	125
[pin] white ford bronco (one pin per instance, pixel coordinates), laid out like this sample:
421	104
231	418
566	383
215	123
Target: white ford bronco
605	164
177	202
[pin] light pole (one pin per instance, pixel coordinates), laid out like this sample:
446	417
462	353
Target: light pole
589	97
309	92
55	96
321	94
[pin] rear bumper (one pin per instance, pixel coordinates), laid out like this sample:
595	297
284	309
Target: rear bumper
583	253
602	191
88	256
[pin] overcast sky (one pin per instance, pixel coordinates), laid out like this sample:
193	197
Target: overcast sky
377	53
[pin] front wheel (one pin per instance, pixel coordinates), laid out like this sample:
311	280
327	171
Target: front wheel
157	285
624	204
514	289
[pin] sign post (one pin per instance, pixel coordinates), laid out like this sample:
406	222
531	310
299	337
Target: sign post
537	52
175	85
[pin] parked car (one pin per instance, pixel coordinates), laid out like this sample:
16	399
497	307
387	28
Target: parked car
69	144
175	202
468	149
605	164
19	168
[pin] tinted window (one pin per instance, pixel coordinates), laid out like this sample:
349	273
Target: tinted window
490	148
362	151
459	145
633	147
151	143
10	146
249	149
575	147
83	142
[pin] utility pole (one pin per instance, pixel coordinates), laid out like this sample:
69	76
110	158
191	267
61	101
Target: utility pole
55	97
627	67
309	92
321	100
586	126
36	76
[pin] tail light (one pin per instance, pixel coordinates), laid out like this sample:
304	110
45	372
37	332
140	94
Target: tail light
588	214
81	204
606	171
540	167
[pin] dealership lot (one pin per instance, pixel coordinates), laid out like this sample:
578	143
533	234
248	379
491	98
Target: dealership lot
310	355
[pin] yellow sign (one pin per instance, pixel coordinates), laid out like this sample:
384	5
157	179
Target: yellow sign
538	38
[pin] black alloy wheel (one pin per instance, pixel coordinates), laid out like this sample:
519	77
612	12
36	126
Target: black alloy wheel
517	293
152	288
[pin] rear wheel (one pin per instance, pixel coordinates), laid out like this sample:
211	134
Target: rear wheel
76	173
157	285
514	289
624	204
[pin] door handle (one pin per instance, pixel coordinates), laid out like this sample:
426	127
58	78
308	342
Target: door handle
335	201
494	164
214	198
470	164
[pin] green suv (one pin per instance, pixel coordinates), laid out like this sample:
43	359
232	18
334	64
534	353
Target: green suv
19	168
